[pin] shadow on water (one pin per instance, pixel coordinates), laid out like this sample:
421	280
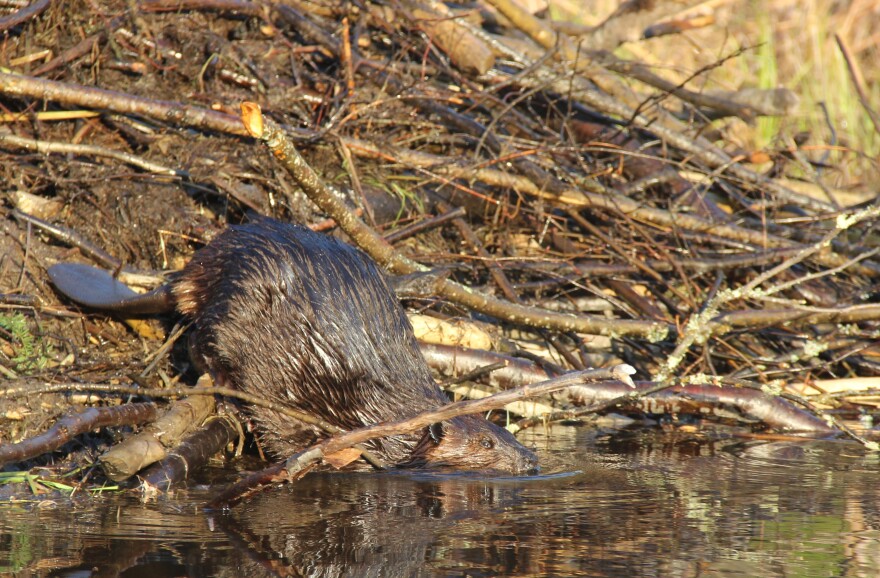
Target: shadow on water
631	504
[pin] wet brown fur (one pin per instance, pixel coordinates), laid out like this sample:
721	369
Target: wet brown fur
304	320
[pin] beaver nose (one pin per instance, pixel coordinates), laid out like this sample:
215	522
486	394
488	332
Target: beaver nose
529	464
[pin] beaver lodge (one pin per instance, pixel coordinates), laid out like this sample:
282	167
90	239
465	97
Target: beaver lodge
542	200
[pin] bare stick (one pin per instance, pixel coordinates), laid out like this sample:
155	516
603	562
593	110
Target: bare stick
14	392
72	238
192	453
152	443
295	463
703	398
23	15
72	425
46	147
299	464
86	96
858	80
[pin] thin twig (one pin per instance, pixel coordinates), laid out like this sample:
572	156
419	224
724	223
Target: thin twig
46	147
858	81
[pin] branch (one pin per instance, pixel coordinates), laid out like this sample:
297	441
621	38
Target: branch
75	424
274	137
299	464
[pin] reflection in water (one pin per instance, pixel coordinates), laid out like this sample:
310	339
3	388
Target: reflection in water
646	504
382	525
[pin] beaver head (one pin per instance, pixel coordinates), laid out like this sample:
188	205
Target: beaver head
470	442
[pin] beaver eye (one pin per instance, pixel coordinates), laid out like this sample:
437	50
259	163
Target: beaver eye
435	430
487	443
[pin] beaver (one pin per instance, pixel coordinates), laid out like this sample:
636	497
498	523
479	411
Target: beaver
305	320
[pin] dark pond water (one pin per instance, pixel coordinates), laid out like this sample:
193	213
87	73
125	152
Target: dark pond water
631	504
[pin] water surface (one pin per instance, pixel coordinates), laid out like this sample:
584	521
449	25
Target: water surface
627	504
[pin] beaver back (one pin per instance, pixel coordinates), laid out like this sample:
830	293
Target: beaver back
307	321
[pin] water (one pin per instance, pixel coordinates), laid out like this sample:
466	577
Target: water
631	504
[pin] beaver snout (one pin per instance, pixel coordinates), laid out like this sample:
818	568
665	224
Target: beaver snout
530	465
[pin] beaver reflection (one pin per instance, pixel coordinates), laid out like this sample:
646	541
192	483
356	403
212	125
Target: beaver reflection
380	525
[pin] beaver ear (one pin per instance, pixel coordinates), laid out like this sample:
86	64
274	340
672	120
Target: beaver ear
435	430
